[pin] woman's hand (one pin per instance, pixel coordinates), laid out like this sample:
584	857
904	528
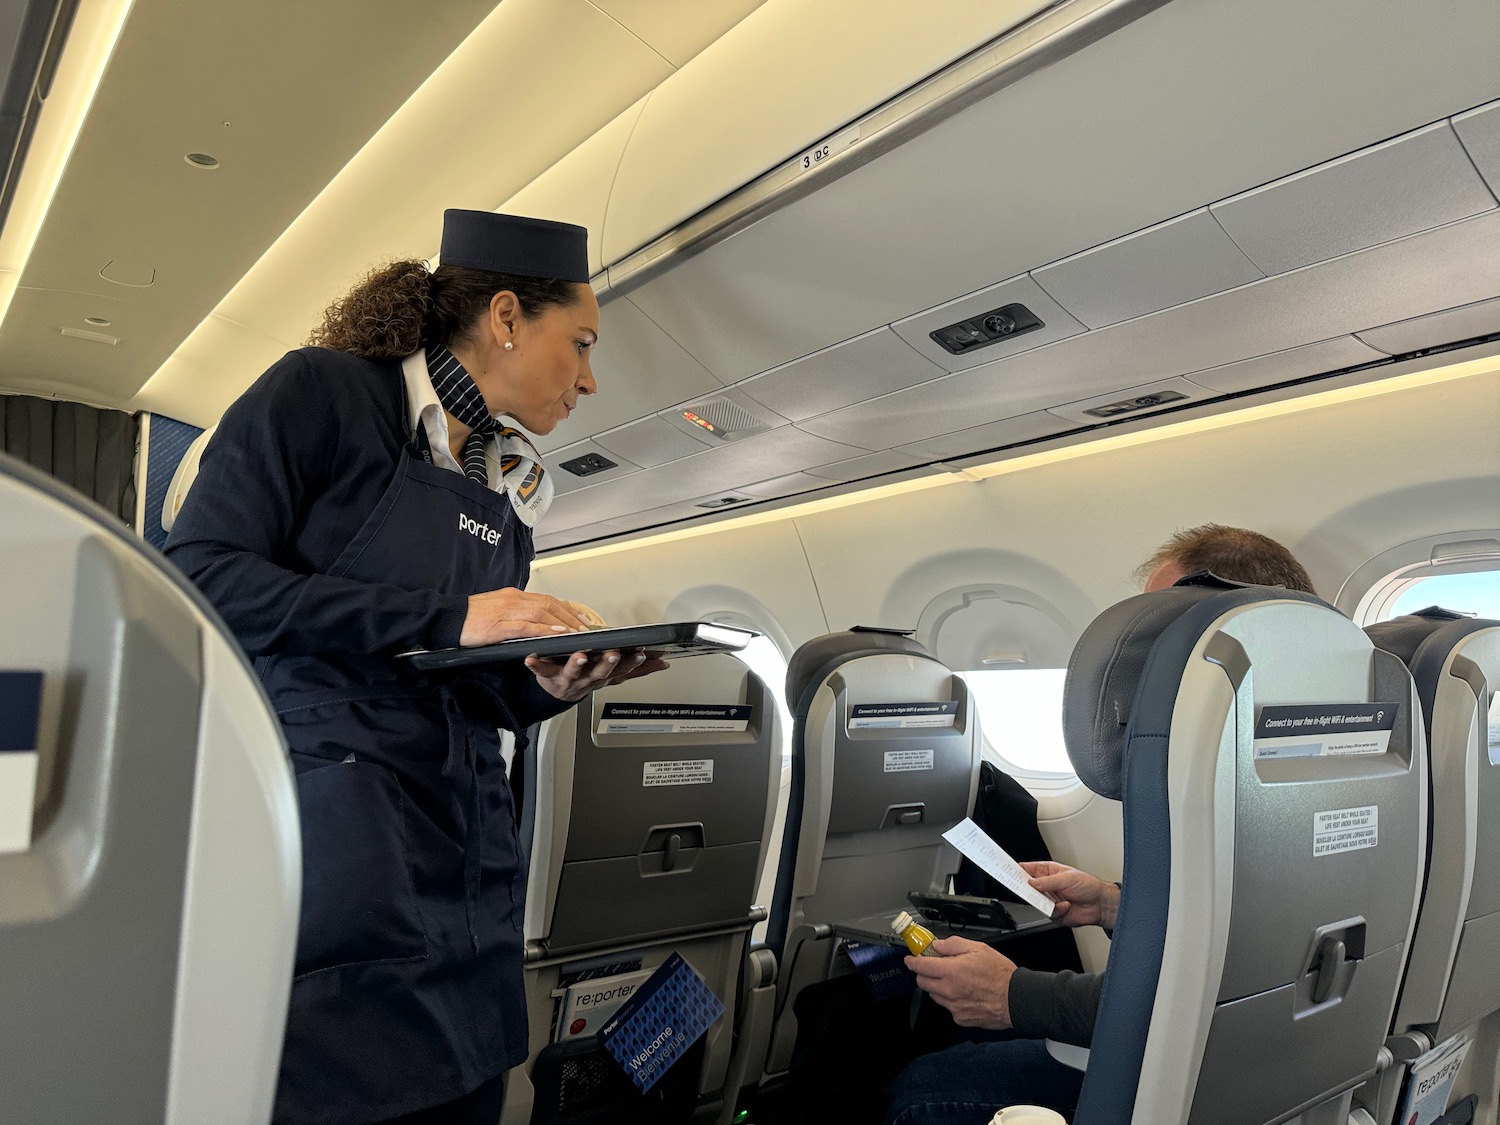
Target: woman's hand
503	615
572	678
1082	899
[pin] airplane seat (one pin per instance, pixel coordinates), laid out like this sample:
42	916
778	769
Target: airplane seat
649	806
1450	981
885	759
1270	870
150	855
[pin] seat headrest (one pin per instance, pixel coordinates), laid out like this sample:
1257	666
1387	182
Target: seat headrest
811	664
1106	668
1402	636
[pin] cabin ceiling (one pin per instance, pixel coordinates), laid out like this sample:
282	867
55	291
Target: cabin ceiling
1212	198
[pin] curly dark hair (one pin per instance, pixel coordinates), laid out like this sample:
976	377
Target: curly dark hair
400	307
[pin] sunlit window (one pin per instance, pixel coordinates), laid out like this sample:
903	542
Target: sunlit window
1020	714
1476	592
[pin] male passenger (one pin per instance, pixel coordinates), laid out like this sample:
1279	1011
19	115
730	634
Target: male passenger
983	988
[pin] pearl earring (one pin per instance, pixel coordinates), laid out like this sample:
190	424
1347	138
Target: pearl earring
509	346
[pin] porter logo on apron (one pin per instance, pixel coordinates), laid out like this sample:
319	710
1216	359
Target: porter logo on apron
481	531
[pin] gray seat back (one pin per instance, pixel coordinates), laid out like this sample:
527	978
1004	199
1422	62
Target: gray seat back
653	803
1272	858
885	759
1451	981
148	919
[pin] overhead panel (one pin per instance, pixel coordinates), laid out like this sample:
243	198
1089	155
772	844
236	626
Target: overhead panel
1447	327
1436	269
788	485
866	367
584	464
651	442
870	465
1284	366
791	75
1132	402
638	368
1170	264
1409	184
1048	166
1055	324
991	435
715	470
1479	130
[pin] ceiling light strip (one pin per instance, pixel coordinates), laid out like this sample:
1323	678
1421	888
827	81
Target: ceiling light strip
91	41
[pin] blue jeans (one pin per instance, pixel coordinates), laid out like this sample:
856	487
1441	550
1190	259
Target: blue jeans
966	1084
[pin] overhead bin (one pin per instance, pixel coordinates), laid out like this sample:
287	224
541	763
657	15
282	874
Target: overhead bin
1479	130
1286	365
1468	322
1410	184
1169	264
791	75
873	364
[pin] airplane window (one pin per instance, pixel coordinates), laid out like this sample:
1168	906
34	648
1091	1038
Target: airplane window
1020	715
1476	592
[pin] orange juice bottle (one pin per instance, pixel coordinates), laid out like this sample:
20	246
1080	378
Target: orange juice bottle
918	937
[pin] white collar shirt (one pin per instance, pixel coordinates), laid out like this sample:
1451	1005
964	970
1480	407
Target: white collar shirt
426	411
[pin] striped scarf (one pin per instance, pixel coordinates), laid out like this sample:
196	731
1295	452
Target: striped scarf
522	475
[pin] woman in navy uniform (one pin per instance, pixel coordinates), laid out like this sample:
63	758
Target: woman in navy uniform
361	499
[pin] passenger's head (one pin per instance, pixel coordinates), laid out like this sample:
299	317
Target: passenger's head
1234	553
525	340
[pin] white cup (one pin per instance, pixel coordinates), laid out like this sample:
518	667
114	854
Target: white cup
1028	1115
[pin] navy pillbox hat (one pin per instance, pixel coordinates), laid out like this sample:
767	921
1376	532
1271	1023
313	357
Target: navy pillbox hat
514	244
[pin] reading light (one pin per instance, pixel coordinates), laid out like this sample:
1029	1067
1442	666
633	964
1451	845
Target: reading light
91	40
201	160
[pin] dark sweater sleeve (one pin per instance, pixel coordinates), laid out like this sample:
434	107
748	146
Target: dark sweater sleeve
1060	1006
267	462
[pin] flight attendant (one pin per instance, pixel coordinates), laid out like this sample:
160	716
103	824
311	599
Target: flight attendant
364	497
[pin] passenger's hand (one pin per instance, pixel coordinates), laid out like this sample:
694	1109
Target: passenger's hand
503	615
968	978
1082	900
573	677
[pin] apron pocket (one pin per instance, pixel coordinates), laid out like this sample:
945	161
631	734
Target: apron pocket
358	904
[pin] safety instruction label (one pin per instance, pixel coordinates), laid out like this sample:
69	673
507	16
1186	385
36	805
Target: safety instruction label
904	761
696	771
20	728
1317	730
935	714
1346	830
673	718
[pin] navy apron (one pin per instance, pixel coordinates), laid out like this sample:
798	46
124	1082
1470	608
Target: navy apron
408	988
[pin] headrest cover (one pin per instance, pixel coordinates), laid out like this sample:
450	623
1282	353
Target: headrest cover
514	244
812	663
1402	636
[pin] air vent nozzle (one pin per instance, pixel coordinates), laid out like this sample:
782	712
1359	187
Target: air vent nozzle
728	500
1130	405
986	328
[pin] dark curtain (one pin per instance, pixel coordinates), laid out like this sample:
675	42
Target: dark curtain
90	449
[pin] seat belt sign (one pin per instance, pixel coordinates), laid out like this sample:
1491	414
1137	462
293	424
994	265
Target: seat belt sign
1324	730
20	756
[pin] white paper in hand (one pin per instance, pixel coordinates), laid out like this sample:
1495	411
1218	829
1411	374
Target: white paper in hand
995	861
